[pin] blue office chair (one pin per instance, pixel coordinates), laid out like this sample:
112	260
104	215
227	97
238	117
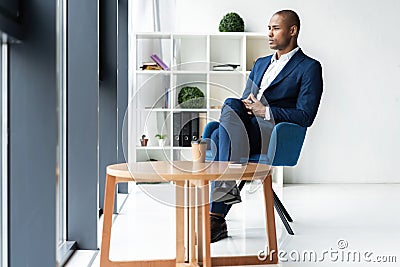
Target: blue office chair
284	150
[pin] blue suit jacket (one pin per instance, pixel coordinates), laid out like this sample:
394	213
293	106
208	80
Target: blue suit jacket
294	95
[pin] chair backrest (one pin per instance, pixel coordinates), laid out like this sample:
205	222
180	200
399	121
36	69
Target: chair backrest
286	142
284	148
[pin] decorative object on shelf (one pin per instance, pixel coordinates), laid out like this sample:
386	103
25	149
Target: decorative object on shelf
150	66
231	22
159	62
166	97
161	139
216	107
191	97
144	140
226	67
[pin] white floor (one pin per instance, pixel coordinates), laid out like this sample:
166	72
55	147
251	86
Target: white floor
334	221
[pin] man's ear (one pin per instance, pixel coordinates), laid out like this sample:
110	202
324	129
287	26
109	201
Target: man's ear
294	30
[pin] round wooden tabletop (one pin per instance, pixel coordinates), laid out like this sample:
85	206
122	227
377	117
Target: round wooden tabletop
161	171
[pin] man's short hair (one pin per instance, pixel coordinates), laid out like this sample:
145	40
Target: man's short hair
291	17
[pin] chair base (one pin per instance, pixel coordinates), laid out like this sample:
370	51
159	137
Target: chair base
280	209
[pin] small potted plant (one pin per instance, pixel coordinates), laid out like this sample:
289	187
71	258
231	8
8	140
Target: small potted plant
231	22
144	140
161	139
191	97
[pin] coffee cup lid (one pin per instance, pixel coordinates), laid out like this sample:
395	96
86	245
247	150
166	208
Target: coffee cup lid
199	141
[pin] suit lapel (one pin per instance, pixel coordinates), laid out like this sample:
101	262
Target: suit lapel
289	67
257	82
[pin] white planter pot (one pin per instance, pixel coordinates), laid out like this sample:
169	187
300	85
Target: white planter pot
161	142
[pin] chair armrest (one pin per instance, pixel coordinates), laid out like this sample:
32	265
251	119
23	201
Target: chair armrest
209	129
286	143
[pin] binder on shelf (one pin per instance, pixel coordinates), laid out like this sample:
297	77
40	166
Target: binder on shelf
159	62
186	135
176	128
186	128
194	124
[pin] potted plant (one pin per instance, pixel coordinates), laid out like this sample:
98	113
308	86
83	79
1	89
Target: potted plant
161	139
191	97
231	22
144	140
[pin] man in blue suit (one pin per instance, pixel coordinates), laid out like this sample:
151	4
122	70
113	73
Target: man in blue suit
283	87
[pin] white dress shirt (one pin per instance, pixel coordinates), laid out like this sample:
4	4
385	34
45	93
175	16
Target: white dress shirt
270	74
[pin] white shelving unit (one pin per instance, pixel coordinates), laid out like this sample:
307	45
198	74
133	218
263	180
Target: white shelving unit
191	58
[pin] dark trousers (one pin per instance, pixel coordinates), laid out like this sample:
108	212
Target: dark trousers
238	136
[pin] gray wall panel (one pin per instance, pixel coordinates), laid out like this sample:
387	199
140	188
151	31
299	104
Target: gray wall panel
82	125
33	139
108	91
122	71
122	78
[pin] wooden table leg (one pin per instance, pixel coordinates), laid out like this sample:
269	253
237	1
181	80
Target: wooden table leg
199	226
270	220
205	207
192	224
180	221
107	221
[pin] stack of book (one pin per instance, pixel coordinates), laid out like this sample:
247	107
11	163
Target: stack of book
226	67
150	66
158	64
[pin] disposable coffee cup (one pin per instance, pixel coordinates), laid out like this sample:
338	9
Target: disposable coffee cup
199	151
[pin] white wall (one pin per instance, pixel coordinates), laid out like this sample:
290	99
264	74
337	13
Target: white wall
355	135
143	15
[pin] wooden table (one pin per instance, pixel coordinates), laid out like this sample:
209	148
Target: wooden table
188	176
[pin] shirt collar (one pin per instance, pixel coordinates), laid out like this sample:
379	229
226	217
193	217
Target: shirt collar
285	57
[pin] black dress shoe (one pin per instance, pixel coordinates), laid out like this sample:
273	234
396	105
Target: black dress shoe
218	228
227	195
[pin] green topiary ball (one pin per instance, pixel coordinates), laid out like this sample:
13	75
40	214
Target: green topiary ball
231	22
191	97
